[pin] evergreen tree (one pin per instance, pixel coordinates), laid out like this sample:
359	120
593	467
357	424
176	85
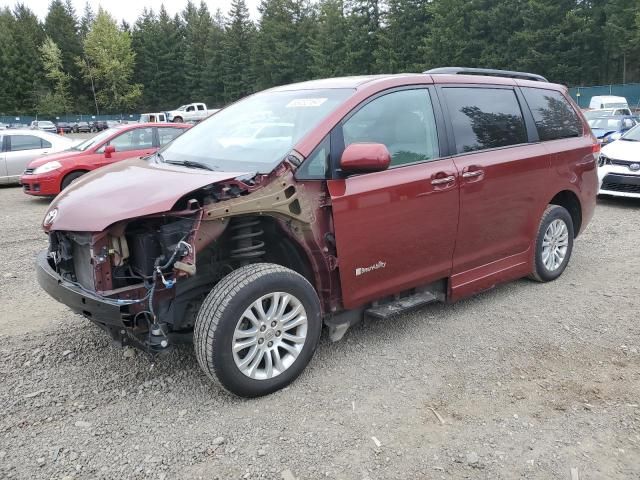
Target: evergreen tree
449	42
623	53
363	30
328	45
61	26
212	76
88	17
170	67
26	73
237	50
550	42
282	42
144	39
8	63
406	25
197	28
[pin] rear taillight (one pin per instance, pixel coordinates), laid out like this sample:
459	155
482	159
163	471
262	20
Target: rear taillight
596	148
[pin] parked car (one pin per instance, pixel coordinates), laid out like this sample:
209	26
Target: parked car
3	126
608	101
619	166
190	112
18	126
606	112
82	127
44	125
19	147
49	175
65	127
608	129
113	123
389	193
99	125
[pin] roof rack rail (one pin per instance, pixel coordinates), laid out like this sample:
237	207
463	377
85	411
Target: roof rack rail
486	71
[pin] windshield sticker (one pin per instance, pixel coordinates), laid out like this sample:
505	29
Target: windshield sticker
306	102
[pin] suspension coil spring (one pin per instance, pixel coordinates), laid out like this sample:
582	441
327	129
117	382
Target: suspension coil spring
245	237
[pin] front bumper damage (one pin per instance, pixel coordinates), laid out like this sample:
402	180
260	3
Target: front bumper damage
79	300
112	316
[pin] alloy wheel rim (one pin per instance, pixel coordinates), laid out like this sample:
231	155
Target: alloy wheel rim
269	336
555	245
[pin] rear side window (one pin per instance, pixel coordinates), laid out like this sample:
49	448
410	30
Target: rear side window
136	139
166	134
484	118
402	120
201	107
554	116
25	142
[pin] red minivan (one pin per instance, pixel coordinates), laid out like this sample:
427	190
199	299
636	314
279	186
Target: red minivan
48	175
359	196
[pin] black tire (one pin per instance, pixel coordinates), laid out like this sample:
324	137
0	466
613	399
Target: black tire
177	120
541	272
66	181
222	310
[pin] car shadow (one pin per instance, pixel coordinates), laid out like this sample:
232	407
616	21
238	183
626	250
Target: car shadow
619	202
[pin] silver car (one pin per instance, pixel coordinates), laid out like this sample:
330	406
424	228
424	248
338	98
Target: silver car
44	125
19	147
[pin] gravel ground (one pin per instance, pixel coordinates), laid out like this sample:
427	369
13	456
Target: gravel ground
526	381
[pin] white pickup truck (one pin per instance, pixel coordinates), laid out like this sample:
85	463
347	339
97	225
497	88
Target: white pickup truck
192	112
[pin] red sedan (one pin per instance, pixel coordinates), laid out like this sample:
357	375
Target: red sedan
51	174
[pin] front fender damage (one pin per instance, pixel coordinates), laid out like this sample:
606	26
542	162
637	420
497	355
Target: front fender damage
160	267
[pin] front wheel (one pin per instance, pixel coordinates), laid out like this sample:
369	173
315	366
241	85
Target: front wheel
70	178
258	329
177	120
554	244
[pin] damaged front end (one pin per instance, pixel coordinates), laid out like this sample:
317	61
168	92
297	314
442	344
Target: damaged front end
119	278
143	279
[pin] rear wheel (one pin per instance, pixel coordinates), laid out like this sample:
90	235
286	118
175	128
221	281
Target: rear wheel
257	329
554	244
66	181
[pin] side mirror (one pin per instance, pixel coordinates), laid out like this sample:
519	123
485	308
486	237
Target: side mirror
108	150
365	157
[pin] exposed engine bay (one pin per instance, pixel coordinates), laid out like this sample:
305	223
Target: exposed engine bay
159	268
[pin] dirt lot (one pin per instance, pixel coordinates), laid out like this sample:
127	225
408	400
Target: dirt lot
530	381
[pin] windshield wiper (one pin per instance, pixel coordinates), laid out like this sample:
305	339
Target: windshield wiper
189	163
629	139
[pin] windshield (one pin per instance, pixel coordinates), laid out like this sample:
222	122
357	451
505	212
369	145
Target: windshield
632	135
101	137
181	107
256	133
606	123
45	124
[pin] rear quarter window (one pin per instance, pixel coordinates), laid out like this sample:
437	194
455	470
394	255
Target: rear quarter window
555	118
484	118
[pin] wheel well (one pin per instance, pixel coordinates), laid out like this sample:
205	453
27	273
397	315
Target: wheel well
569	200
282	250
71	173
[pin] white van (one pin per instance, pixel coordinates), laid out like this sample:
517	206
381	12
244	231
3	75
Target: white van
608	101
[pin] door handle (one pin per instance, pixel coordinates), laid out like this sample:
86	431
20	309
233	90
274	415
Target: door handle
443	180
473	174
